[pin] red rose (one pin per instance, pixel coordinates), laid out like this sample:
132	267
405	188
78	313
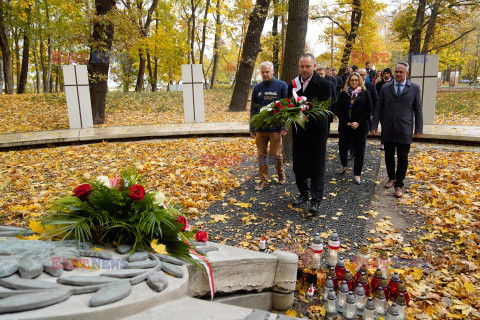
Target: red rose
281	107
275	111
201	236
288	100
277	104
291	105
137	193
83	191
184	221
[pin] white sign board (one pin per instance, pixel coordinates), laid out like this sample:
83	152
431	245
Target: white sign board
193	101
77	93
424	72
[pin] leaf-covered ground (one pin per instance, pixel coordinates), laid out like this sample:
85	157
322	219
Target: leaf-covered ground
38	112
436	249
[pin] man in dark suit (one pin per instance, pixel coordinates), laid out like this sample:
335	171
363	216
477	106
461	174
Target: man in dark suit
370	72
386	78
400	101
310	144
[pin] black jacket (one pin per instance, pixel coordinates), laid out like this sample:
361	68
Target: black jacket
361	110
373	92
309	144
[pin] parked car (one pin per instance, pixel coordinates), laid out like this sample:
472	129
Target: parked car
465	81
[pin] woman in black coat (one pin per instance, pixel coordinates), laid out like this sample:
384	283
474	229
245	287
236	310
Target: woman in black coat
353	109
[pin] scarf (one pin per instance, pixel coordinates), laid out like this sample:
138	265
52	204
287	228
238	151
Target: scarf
296	86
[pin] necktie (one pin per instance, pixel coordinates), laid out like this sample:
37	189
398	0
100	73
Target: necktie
398	89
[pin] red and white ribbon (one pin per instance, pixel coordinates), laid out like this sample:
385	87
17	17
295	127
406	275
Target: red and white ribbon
334	245
296	86
204	262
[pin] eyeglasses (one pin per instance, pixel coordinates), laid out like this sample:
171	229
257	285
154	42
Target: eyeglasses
354	80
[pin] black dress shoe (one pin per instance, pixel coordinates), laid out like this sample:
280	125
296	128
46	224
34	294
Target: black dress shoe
357	181
314	207
301	199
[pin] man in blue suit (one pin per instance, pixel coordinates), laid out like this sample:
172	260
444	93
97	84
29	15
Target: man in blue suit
399	108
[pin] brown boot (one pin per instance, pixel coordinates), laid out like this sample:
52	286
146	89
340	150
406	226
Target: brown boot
261	186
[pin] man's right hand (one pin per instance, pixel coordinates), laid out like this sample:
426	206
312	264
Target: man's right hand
252	134
373	132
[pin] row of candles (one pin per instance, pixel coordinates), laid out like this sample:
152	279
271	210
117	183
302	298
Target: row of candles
347	296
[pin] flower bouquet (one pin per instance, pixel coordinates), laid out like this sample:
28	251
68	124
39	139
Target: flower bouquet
119	210
286	112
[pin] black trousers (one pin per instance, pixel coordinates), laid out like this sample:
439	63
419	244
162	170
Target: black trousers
402	161
316	187
358	143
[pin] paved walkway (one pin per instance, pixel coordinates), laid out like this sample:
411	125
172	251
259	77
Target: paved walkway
431	132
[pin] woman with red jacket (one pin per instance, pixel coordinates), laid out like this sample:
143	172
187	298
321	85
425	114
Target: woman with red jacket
353	109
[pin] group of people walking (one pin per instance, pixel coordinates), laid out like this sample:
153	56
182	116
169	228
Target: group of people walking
362	98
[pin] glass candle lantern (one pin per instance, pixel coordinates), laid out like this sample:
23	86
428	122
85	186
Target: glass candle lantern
342	297
393	313
333	275
333	247
381	303
340	269
326	288
351	310
369	312
363	256
386	290
393	284
349	279
317	250
331	305
403	289
363	269
383	262
360	299
376	279
402	306
364	282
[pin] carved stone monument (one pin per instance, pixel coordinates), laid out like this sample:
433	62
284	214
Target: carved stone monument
78	96
193	102
424	72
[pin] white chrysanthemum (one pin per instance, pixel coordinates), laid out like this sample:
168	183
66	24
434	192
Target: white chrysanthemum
159	199
104	180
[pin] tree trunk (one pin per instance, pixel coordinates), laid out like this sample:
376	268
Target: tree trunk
22	84
192	34
416	39
17	54
249	56
284	37
355	19
99	62
275	39
1	75
216	44
44	68
153	85
204	37
430	33
6	54
37	68
296	34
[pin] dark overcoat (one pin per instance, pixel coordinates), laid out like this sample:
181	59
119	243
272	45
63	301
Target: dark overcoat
309	144
361	110
399	114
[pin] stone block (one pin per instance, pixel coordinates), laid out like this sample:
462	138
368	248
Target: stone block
260	301
282	301
29	268
286	271
234	269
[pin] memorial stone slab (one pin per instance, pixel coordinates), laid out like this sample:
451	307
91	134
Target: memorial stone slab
123	273
124	248
84	280
8	267
21	284
169	259
52	270
33	300
111	293
145	264
138	256
424	72
157	281
172	269
204	250
29	268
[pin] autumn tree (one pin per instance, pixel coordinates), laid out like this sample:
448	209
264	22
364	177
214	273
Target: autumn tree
99	62
6	52
251	49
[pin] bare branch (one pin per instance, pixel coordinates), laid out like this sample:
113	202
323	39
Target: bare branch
328	17
454	40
